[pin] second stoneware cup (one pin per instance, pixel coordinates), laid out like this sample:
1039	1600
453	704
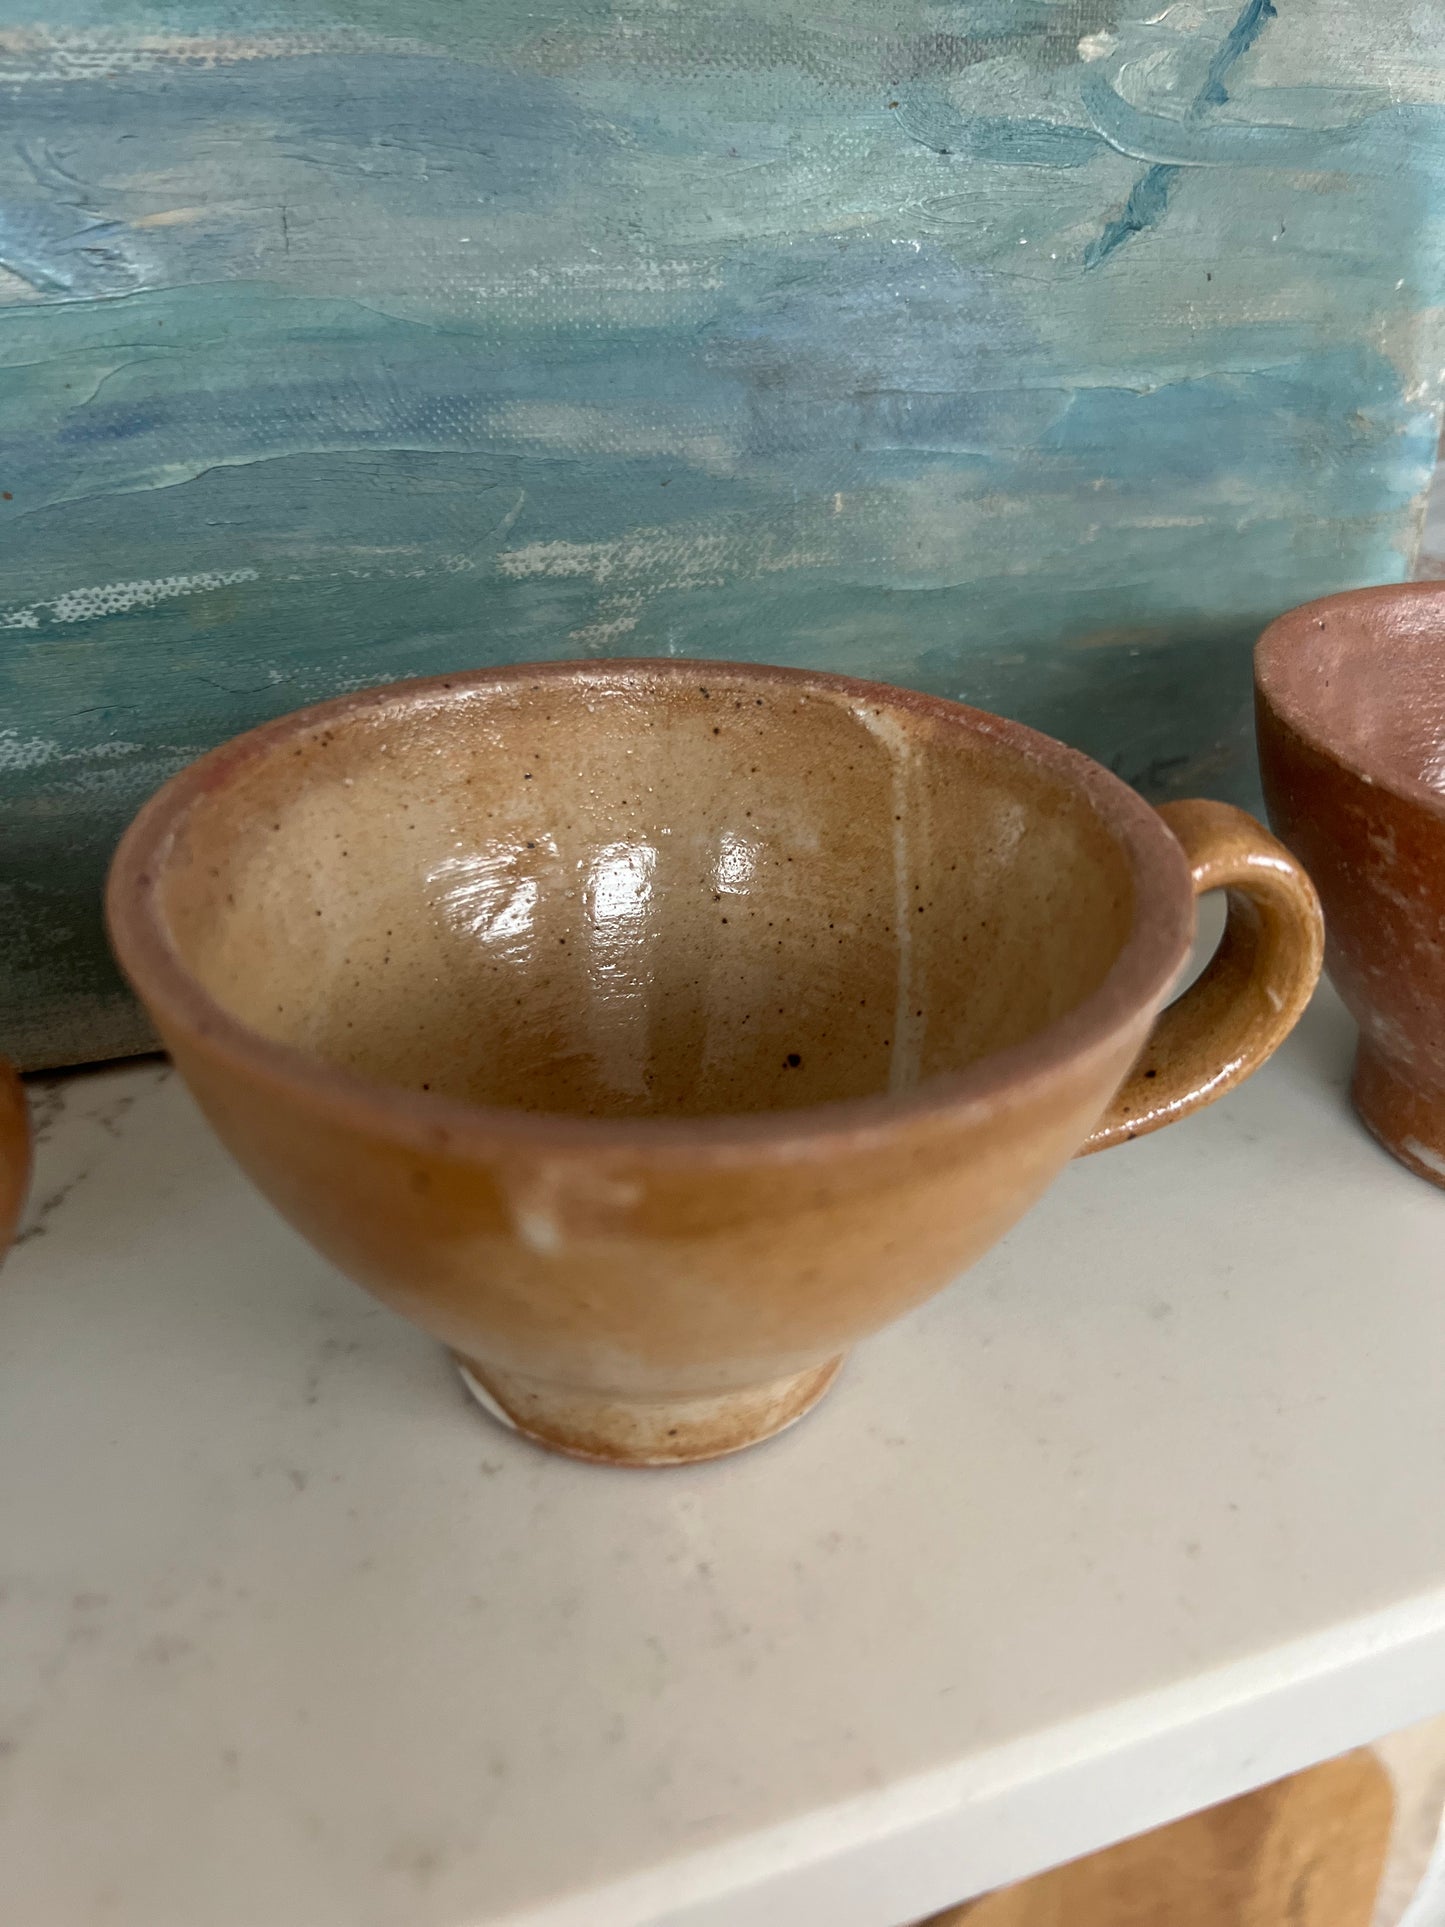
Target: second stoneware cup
650	1032
14	1153
1350	700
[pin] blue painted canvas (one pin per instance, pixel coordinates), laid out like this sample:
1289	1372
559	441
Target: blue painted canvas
1034	352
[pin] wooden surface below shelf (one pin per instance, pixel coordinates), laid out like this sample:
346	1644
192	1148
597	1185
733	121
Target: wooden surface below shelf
1307	1851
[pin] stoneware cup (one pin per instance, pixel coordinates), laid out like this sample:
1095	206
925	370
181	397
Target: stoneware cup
1350	702
14	1153
649	1032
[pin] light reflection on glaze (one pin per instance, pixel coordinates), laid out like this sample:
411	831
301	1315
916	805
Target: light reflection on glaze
1433	773
619	893
735	864
621	937
482	896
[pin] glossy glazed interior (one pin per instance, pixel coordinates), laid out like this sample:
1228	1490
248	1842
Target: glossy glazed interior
645	893
1363	676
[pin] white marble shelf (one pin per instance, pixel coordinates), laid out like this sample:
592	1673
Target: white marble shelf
1148	1509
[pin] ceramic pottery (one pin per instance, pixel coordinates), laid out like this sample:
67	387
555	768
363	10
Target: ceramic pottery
14	1153
650	1032
1350	702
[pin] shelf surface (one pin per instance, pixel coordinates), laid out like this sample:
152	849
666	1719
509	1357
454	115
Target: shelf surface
1144	1510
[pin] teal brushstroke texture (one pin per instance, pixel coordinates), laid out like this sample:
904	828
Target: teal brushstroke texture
1148	201
378	340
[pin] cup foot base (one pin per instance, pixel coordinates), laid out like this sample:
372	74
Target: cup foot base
1408	1122
646	1432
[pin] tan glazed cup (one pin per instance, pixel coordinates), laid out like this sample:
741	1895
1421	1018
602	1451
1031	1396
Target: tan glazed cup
1350	701
649	1032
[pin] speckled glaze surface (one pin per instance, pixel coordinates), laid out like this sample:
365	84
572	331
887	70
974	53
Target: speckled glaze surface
1350	697
14	1153
650	1032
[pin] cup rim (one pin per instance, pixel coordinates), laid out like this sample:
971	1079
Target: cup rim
1278	656
1137	982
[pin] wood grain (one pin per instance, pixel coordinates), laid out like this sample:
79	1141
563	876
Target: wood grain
1305	1852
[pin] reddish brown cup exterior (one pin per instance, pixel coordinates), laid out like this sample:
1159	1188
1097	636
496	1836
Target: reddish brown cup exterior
14	1153
650	1032
1350	705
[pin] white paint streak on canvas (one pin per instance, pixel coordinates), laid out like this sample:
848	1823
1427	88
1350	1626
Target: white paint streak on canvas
117	598
40	54
662	558
35	752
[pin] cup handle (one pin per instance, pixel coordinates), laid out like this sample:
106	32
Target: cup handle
14	1153
1251	994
